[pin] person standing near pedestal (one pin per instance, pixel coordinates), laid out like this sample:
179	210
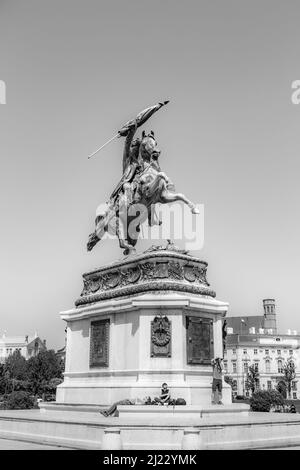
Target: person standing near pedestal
216	398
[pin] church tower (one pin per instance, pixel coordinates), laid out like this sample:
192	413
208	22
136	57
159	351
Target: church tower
270	315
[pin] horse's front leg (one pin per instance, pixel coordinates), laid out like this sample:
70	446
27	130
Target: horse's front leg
168	196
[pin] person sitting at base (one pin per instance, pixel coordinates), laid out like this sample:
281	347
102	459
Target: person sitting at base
165	397
216	398
112	410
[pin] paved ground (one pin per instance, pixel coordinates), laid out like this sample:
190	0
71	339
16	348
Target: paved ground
7	444
285	448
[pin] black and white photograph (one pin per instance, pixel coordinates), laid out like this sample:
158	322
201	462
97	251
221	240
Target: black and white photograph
150	230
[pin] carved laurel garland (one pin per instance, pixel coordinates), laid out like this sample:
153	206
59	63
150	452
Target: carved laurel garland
161	333
175	270
164	270
140	288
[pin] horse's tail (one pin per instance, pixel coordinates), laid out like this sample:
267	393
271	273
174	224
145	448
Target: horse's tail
92	241
101	226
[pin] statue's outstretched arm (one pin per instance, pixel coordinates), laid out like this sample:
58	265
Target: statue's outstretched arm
141	118
130	127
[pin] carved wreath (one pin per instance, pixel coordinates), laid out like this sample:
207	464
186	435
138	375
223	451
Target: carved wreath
161	334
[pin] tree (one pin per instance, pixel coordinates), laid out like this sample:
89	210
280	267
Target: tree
2	380
14	373
229	380
15	366
19	401
262	400
252	380
42	368
289	372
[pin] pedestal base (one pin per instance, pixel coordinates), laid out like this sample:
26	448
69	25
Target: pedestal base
100	393
139	323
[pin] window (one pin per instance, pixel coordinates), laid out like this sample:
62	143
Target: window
269	385
234	385
268	366
280	368
226	366
279	352
295	395
256	366
267	352
255	351
244	351
246	367
234	367
233	351
294	385
291	352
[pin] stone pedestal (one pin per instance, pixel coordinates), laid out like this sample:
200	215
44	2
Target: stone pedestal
146	320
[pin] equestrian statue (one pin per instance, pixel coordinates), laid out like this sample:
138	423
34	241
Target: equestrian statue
142	185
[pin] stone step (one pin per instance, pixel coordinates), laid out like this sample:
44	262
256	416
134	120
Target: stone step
184	411
86	430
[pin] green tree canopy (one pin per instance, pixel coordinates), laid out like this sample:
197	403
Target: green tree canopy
229	380
15	366
252	380
289	372
42	368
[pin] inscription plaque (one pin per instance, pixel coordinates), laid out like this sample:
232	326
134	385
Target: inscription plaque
99	343
200	344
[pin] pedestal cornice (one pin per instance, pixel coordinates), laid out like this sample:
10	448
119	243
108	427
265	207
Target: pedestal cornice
168	300
155	271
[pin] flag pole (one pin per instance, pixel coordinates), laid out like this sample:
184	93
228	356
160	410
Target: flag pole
106	143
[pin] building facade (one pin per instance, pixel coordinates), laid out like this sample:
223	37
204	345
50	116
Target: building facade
28	346
254	340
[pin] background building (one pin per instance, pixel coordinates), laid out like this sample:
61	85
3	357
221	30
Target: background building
61	353
254	340
28	346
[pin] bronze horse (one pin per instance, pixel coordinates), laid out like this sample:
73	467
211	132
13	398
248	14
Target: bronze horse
142	185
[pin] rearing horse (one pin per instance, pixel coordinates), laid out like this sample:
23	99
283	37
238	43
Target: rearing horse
155	186
136	199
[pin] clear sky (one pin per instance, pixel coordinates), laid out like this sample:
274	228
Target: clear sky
75	71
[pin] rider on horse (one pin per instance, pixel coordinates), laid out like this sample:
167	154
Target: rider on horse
142	185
